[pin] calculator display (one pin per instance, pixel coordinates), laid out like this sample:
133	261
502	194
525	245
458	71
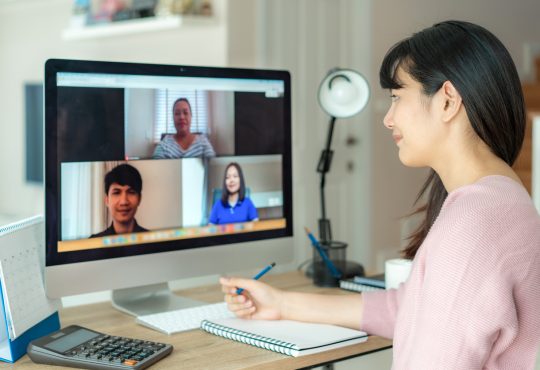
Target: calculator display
71	340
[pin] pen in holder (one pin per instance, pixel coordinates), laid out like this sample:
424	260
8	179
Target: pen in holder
336	253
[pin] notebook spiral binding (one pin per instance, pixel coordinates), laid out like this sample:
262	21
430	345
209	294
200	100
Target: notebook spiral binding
18	225
255	340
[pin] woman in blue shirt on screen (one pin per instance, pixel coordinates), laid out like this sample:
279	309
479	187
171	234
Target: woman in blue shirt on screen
233	206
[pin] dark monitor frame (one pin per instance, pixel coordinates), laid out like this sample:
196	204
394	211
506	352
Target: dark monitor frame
52	166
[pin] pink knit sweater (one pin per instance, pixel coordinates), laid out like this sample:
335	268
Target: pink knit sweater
472	300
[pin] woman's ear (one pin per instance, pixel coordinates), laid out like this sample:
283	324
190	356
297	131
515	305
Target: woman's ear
451	101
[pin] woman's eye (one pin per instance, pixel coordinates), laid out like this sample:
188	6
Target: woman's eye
394	97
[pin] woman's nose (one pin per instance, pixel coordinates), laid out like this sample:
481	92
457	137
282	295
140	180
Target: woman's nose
388	120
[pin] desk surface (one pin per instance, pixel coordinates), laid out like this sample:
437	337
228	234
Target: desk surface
199	350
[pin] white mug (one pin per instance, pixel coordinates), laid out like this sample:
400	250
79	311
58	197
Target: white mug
396	271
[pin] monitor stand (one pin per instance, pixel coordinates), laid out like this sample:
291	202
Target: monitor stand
150	299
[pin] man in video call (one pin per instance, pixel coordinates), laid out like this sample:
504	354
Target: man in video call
123	186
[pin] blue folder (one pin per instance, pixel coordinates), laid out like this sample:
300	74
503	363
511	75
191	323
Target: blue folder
12	350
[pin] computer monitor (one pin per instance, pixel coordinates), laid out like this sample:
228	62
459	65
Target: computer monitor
160	172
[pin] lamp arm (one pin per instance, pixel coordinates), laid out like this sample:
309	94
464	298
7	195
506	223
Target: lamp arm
325	232
330	135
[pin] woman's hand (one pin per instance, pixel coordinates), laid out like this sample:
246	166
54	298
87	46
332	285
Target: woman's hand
258	300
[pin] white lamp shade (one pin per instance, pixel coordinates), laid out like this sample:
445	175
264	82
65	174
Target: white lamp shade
343	93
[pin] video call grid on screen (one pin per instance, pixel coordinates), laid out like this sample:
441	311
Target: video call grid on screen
105	120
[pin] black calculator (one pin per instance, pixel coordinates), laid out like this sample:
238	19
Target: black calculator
80	347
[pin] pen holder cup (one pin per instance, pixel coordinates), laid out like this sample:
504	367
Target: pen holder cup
336	252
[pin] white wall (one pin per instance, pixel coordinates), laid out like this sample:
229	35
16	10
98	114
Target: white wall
161	201
140	118
192	191
308	38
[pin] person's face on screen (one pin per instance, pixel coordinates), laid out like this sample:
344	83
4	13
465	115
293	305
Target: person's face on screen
122	202
182	117
232	180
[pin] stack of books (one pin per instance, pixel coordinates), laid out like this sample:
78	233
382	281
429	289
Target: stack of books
363	283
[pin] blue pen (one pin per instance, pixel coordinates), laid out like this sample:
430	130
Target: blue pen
333	270
258	276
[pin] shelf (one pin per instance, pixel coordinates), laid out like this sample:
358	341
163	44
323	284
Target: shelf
122	28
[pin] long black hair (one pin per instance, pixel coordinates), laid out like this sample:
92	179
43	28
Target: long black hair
241	191
482	71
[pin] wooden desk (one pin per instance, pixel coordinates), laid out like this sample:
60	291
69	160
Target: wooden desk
199	350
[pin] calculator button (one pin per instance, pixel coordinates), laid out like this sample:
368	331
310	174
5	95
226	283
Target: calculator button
130	362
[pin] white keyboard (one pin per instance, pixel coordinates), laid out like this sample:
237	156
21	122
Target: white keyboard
185	319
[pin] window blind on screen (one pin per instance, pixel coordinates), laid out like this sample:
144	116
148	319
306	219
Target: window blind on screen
165	98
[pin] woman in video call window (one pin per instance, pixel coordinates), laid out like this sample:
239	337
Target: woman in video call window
233	206
184	143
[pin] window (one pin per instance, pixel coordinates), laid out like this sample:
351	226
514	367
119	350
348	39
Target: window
164	118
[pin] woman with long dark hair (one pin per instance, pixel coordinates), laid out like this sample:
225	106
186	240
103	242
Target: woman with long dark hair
472	300
234	206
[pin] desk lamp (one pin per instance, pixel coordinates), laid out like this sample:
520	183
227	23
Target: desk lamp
342	93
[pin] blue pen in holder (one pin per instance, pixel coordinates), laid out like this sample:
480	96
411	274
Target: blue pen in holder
336	252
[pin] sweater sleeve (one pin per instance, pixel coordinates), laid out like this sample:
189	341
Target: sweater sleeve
380	309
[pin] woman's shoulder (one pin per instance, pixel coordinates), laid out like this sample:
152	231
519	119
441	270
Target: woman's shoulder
492	214
218	204
168	141
490	192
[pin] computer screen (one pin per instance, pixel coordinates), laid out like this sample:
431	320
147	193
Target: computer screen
158	172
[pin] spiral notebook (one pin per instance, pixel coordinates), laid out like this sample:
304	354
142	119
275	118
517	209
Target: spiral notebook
292	338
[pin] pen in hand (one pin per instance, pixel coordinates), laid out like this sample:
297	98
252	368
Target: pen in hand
333	270
258	276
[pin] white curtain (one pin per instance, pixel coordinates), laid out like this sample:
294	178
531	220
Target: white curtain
308	38
82	199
